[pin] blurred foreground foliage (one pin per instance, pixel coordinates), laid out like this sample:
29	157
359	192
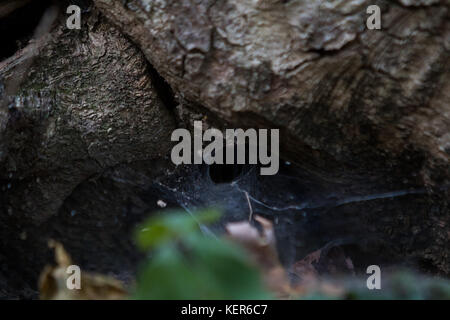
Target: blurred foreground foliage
186	264
53	281
404	285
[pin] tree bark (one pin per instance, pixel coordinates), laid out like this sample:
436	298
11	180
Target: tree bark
352	104
90	125
87	105
367	99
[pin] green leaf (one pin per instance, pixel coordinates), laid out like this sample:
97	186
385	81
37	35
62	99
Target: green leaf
172	226
207	269
185	264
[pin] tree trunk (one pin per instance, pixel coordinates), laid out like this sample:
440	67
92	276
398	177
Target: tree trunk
362	111
352	104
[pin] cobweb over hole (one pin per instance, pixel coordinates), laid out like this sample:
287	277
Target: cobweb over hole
18	27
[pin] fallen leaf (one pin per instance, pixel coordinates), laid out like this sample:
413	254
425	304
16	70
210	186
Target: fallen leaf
305	269
53	281
330	259
262	248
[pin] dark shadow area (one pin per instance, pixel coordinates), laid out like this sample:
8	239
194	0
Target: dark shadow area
18	27
224	173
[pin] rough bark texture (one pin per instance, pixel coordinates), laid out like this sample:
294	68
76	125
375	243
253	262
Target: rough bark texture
88	103
367	99
353	104
358	109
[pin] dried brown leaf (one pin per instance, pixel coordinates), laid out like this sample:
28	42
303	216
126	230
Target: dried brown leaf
53	281
262	248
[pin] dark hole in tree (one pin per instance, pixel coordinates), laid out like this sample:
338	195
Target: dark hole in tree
18	27
224	173
227	173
